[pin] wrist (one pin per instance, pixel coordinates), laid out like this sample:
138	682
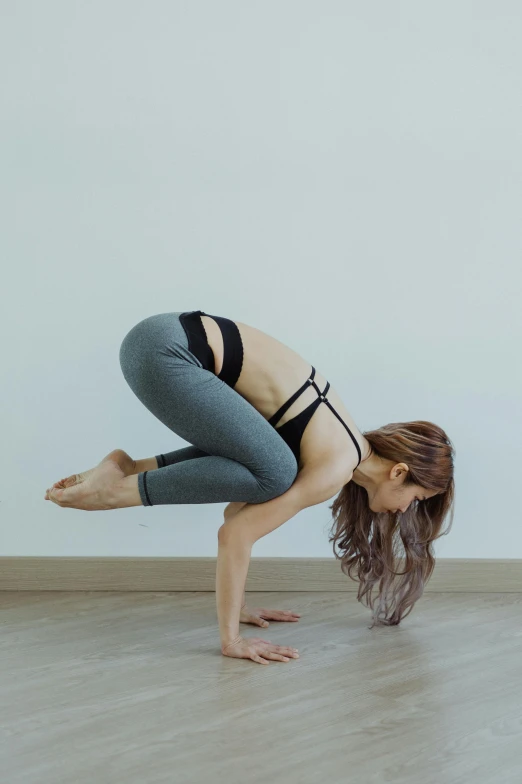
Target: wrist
225	643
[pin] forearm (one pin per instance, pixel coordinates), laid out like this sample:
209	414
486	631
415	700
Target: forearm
231	573
236	538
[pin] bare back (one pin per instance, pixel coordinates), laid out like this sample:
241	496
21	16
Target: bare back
271	373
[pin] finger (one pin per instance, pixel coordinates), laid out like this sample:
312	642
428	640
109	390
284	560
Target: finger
257	621
278	615
258	659
277	656
285	651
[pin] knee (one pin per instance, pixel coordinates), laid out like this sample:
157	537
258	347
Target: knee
282	479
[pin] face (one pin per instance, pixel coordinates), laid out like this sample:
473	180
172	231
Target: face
393	496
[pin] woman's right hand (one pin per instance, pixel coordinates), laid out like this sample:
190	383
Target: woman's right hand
258	650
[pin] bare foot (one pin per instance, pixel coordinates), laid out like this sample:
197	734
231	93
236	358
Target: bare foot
96	483
125	462
95	492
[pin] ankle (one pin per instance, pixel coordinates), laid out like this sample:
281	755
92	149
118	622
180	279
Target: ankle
147	464
126	493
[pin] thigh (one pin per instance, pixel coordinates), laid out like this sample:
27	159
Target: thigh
197	405
202	409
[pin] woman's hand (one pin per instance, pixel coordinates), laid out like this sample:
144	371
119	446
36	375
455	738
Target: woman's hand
258	615
258	650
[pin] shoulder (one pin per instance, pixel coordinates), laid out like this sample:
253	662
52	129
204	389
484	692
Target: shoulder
319	481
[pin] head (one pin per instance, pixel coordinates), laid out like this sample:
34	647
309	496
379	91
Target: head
399	494
389	485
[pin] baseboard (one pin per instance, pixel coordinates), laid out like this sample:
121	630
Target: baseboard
35	573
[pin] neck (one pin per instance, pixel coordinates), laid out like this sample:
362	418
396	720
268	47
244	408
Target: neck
370	472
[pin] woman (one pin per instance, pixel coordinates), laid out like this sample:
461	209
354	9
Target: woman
269	435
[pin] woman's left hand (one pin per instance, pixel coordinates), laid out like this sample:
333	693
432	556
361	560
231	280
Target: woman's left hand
259	616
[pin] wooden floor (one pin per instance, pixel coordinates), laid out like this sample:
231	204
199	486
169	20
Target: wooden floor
102	688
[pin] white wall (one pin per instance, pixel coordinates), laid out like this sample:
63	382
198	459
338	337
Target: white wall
344	176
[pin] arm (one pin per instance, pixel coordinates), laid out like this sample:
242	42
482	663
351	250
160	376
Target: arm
237	536
235	541
231	571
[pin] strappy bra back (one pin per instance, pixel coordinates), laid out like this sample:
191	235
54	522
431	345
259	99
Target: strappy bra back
292	430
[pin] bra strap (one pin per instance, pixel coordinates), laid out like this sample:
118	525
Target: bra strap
347	428
284	408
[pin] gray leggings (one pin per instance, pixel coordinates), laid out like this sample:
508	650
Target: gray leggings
236	455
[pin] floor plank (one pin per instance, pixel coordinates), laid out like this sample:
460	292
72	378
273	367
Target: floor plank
102	687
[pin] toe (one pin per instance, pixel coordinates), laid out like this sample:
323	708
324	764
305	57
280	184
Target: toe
56	495
70	496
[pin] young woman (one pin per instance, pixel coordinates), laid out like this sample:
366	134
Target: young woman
268	434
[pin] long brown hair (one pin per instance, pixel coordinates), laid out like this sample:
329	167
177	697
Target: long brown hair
368	542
